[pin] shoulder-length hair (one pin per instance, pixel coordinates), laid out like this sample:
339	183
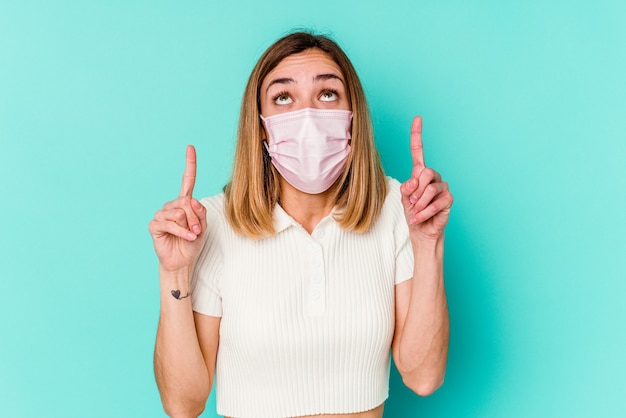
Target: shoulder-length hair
254	189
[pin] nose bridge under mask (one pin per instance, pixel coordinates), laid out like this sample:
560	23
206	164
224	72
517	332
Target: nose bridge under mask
309	147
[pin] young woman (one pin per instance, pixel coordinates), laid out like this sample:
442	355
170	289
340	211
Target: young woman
294	285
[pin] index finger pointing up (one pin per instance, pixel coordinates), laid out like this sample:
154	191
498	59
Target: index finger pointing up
417	148
189	178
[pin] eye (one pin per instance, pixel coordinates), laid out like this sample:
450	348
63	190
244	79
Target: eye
329	95
282	98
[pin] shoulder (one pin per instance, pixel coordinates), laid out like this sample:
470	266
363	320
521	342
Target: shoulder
214	203
393	200
393	188
215	213
392	212
391	215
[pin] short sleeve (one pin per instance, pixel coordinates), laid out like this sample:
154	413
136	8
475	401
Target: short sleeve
205	288
403	249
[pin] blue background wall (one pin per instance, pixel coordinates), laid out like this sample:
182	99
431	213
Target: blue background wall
524	107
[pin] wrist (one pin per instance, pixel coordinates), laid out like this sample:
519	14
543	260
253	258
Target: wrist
427	245
175	284
181	276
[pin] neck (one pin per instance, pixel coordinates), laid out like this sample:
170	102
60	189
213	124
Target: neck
306	209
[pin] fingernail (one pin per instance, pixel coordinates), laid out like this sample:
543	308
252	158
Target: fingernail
191	236
196	229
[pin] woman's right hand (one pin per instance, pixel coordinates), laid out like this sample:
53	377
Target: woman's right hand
178	228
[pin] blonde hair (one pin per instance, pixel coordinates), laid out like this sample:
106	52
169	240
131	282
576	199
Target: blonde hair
254	188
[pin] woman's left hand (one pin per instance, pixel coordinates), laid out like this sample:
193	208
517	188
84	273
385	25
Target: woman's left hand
425	197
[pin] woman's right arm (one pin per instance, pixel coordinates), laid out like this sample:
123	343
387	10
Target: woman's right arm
186	342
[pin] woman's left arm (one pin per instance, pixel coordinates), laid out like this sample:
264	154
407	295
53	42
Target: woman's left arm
420	344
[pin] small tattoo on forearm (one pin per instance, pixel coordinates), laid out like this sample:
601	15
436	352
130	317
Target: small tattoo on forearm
176	294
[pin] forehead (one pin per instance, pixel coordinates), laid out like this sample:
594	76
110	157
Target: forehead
304	64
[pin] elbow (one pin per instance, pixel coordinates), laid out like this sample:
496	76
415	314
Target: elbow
427	389
183	411
424	387
177	406
182	400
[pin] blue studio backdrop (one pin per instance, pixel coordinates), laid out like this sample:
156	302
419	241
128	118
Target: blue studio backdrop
524	108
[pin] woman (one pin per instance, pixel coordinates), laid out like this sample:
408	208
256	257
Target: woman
294	285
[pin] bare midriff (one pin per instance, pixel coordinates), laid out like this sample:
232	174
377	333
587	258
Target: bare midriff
372	413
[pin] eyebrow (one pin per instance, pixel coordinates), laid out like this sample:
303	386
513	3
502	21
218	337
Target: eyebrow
283	80
287	80
322	77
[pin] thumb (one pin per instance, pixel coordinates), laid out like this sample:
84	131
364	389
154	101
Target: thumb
407	189
200	212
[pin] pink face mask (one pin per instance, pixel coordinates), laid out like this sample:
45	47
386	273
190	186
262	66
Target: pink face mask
309	147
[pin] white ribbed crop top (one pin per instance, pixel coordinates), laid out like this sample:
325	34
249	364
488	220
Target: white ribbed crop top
307	320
